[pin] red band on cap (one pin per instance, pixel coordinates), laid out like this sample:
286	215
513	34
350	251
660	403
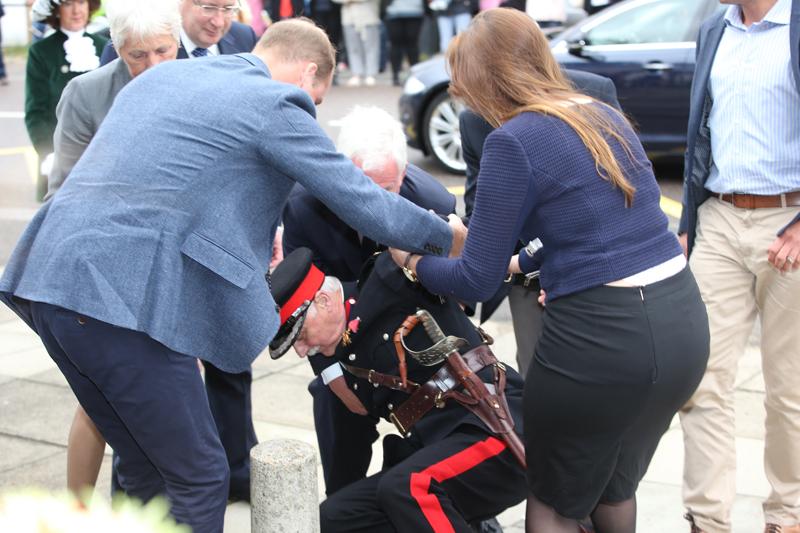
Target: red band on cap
306	291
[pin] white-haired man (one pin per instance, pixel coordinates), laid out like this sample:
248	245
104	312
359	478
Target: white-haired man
450	469
374	141
208	29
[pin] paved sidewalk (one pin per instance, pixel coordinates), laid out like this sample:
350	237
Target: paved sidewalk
36	409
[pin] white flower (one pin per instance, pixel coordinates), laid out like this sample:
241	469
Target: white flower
36	511
81	54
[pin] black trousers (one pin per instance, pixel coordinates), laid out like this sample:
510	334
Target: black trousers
231	406
331	22
345	439
465	477
404	38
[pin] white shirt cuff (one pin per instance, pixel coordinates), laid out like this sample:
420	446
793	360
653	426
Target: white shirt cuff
331	373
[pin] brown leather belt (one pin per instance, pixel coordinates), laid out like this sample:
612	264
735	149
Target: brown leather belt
756	201
435	391
476	359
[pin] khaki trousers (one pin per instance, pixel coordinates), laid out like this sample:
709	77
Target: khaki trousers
738	284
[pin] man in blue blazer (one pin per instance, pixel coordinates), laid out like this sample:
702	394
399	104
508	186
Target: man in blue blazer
375	141
526	313
152	253
741	227
208	30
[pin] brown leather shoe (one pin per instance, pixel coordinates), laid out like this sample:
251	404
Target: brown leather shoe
775	528
692	525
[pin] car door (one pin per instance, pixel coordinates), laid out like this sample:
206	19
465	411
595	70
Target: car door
647	48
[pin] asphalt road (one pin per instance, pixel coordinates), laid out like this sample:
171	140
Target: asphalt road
18	160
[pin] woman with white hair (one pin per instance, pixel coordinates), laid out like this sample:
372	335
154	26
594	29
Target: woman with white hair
145	33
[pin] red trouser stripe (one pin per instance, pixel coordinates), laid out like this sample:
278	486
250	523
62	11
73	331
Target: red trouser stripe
442	471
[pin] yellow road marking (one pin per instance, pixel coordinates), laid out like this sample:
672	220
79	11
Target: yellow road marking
31	159
671	207
668	205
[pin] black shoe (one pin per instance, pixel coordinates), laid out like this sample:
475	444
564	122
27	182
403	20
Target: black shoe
490	525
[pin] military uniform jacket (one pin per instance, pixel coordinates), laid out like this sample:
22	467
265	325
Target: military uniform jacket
386	297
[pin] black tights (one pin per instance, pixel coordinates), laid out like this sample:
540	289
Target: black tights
618	517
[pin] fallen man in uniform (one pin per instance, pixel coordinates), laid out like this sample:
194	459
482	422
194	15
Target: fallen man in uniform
459	410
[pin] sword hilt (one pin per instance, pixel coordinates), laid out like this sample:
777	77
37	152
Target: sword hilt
431	326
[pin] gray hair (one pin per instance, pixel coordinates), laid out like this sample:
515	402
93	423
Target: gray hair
332	284
142	19
373	136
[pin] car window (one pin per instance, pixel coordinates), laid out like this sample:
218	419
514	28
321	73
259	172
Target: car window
656	21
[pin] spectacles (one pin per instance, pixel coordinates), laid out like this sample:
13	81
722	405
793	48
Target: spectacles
211	10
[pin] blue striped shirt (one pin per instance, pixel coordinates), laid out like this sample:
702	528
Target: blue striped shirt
755	116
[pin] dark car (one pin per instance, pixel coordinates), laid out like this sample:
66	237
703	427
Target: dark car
645	46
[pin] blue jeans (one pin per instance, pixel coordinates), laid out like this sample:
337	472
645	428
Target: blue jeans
450	26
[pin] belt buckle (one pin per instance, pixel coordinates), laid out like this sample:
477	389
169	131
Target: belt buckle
438	402
529	277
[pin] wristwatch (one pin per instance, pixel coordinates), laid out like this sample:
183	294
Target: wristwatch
532	247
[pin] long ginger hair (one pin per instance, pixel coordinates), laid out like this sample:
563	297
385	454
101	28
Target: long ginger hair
502	66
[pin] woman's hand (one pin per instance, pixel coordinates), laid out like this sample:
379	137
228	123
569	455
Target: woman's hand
398	256
459	234
513	265
405	259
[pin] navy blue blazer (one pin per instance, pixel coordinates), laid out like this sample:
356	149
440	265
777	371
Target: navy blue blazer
338	251
240	38
474	131
697	164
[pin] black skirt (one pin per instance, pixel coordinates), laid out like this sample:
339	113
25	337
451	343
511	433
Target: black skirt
611	369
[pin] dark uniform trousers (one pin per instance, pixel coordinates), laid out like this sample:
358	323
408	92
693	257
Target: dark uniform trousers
344	438
450	471
466	477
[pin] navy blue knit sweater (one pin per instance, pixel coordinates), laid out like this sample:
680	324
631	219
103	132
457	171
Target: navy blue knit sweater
537	179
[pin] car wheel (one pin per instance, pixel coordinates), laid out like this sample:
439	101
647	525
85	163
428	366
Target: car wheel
442	134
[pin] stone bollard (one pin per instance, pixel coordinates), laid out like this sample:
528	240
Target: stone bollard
283	493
